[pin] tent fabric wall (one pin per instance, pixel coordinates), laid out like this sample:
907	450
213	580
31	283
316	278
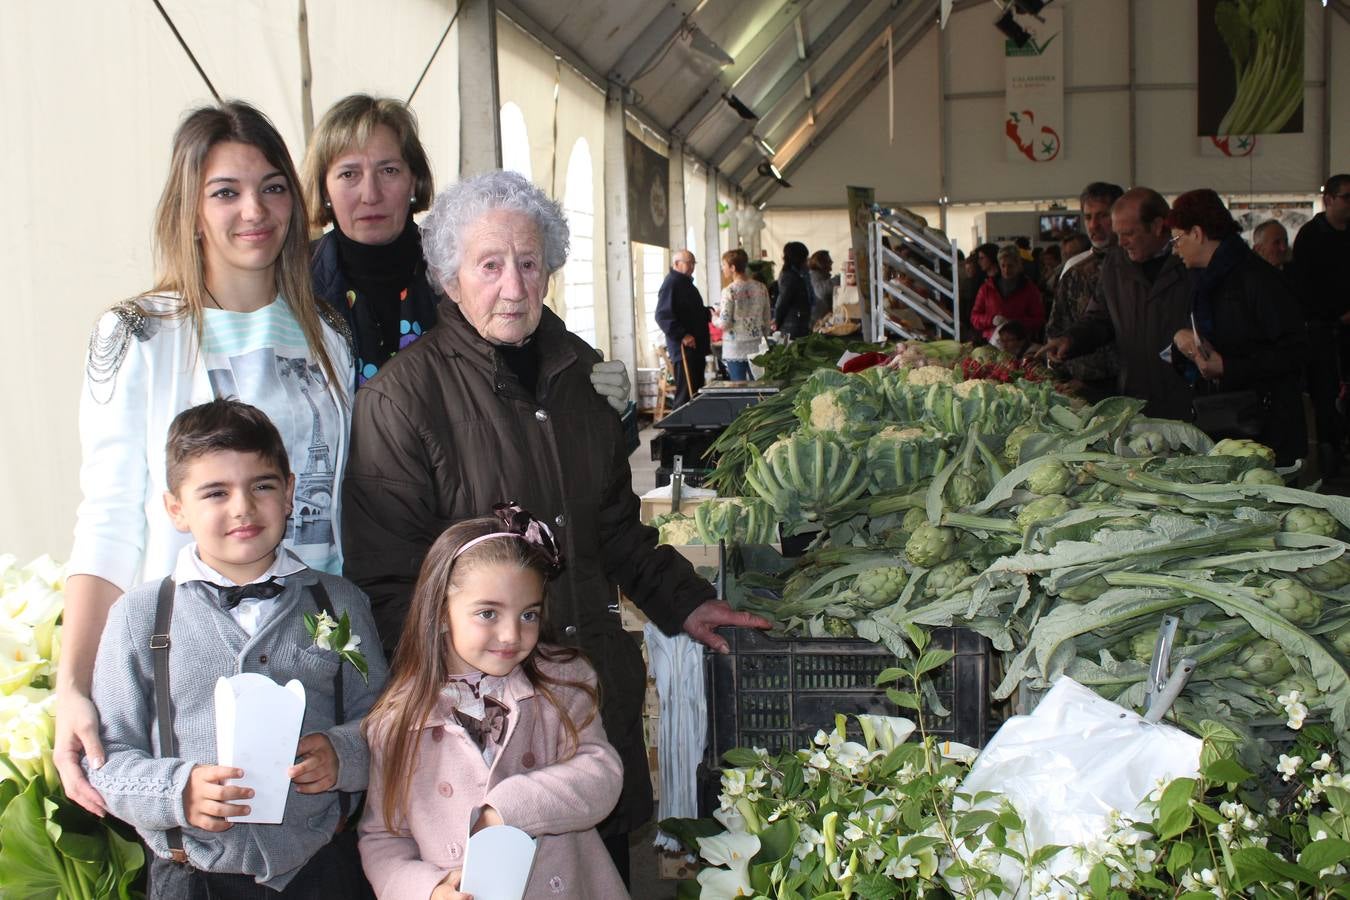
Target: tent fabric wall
1167	153
91	98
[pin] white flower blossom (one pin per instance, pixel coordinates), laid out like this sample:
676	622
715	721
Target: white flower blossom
902	868
1323	763
1288	766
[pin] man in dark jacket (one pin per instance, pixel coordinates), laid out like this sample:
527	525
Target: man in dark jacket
684	319
1322	263
1143	297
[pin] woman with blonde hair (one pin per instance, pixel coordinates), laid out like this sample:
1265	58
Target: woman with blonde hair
232	314
745	315
366	174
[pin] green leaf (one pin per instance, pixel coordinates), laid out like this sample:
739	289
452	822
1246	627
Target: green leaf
688	831
688	890
1257	864
891	674
1044	854
1179	857
30	865
1100	880
1010	820
776	841
1208	813
903	699
1174	809
741	758
1323	854
1228	771
932	659
311	624
358	662
971	822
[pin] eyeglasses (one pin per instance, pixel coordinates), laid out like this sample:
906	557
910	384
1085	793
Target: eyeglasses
1171	242
1343	197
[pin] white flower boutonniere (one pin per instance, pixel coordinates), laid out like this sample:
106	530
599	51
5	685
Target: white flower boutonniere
337	636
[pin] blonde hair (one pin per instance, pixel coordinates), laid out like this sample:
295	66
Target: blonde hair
348	124
421	667
180	263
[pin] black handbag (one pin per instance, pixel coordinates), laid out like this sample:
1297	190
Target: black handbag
1231	414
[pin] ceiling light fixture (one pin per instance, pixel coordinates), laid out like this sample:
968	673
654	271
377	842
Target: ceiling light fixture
701	43
763	147
769	170
1011	30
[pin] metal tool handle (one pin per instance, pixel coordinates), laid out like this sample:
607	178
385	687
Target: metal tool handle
676	483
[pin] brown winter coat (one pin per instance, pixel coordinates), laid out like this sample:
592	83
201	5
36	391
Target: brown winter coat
1141	319
445	431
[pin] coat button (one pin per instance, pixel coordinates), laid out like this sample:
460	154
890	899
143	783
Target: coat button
570	630
555	884
454	850
438	734
560	520
444	789
527	760
263	659
541	415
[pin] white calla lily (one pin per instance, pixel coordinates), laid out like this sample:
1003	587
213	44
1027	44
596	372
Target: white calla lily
886	732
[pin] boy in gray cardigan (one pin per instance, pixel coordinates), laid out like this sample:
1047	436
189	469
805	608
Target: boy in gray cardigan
239	601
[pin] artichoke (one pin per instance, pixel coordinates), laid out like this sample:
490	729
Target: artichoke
1142	644
880	587
1050	478
1147	442
930	544
1263	662
837	627
1307	520
1340	639
946	576
1243	447
913	519
1293	601
1328	576
1012	447
961	490
1261	476
1042	508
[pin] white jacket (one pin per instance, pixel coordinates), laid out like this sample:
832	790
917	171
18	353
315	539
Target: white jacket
140	372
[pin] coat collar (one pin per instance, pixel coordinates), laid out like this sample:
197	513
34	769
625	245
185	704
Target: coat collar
518	688
460	339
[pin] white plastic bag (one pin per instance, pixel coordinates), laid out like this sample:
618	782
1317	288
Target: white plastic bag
1072	761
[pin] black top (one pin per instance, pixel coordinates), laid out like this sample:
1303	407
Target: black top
523	362
680	311
1322	259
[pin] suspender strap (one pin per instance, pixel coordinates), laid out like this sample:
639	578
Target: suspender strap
324	604
159	651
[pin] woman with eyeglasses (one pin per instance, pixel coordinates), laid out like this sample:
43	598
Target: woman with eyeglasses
1244	352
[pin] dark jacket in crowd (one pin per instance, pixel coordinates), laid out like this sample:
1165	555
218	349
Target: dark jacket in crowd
1257	330
1141	317
679	311
1322	261
444	432
792	310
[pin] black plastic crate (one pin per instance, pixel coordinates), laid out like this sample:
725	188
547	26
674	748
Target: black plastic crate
777	693
694	446
692	477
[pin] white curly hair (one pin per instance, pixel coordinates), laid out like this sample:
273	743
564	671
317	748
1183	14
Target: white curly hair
463	203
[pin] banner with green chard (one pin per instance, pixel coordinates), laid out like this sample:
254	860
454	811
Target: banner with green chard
49	847
1061	532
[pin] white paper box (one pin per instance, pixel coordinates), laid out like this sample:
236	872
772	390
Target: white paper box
257	730
497	863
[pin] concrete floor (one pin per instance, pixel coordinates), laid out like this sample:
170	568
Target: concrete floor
646	883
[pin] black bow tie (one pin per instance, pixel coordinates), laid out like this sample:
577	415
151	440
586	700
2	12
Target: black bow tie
230	597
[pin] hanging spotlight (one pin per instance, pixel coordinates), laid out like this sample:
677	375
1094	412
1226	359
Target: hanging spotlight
742	110
1011	30
1030	7
769	170
764	148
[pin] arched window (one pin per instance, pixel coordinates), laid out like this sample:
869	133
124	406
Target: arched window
515	141
579	272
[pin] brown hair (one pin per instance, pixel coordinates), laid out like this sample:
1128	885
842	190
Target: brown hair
178	253
421	669
738	259
347	124
820	261
223	424
1202	208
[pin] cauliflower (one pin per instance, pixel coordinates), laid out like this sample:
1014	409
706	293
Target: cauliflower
1241	447
931	375
1307	520
930	545
1293	601
964	389
1050	478
826	412
1263	662
678	528
880	587
896	433
1042	508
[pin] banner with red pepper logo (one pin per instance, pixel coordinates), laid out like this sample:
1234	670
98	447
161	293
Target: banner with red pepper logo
1034	89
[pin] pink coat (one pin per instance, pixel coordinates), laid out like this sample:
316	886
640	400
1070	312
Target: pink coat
558	802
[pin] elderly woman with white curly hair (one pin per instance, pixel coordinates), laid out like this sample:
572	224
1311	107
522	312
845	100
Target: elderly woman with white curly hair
496	404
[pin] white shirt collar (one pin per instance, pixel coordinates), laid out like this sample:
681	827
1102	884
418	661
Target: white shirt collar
191	568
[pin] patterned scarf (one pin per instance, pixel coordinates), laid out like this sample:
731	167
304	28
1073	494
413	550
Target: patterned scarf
478	708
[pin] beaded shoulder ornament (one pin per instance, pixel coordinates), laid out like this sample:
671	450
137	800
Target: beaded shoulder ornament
107	351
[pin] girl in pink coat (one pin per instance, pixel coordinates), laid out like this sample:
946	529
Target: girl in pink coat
481	719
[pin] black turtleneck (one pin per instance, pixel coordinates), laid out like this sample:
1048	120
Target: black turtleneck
379	273
1152	268
523	362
